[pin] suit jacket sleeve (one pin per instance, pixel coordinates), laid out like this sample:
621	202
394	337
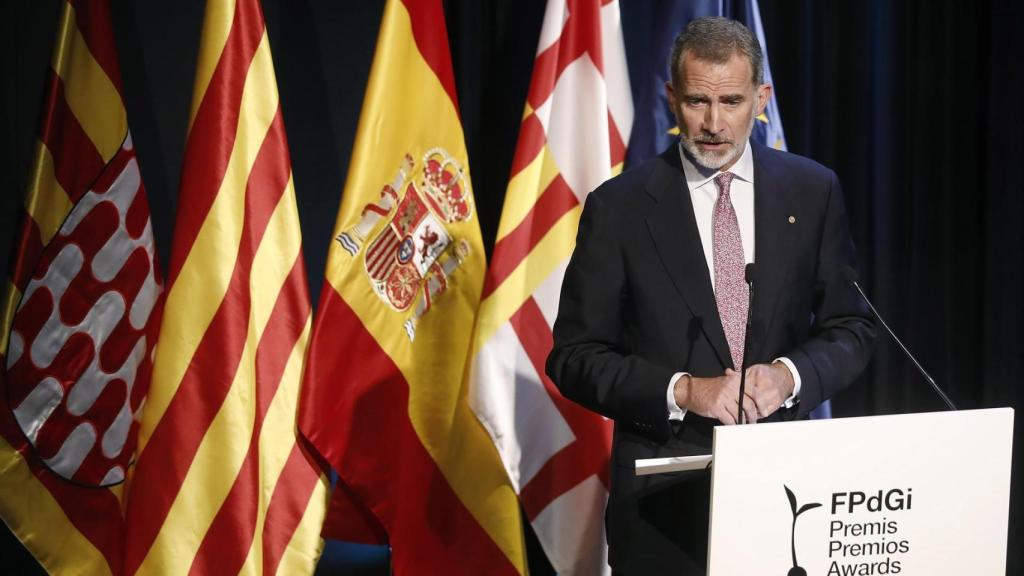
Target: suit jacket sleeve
591	362
842	331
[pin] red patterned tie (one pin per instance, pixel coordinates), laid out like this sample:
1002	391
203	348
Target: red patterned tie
730	287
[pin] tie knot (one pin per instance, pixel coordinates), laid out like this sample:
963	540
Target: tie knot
723	180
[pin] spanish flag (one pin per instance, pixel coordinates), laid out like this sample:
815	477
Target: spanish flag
384	400
223	483
80	313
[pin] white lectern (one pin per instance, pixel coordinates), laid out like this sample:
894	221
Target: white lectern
915	494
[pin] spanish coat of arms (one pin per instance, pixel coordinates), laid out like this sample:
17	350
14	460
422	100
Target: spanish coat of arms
409	260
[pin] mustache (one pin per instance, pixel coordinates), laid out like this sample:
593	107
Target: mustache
711	140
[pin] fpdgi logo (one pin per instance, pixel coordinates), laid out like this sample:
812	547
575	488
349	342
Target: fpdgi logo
796	570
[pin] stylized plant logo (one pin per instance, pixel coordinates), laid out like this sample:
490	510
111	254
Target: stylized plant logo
796	570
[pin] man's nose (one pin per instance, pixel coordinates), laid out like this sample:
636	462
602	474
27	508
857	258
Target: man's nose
711	119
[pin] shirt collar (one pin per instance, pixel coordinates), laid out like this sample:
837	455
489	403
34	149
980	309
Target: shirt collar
697	176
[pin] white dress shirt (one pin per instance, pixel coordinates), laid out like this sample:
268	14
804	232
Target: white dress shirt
703	194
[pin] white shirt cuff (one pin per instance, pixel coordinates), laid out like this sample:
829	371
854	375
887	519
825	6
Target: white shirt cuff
795	396
674	411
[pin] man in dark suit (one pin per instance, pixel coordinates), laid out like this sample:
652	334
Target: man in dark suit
652	318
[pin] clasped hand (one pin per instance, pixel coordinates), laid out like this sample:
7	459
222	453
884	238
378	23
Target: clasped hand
767	387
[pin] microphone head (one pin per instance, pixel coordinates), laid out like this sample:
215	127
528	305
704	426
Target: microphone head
849	273
750	273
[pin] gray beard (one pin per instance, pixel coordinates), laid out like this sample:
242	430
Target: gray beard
711	160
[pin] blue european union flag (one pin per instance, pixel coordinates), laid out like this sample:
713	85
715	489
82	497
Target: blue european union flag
650	28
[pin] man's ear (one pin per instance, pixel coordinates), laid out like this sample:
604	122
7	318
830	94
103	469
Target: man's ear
670	91
764	94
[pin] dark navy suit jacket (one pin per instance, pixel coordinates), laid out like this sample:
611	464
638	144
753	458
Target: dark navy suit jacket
637	306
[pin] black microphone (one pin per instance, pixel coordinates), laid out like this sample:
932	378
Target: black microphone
749	275
851	276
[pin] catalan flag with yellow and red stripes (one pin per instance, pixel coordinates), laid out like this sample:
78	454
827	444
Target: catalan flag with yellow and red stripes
80	313
223	483
384	400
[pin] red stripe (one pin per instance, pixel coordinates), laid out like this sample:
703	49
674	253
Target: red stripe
227	542
387	271
212	137
376	209
94	512
387	266
353	411
384	264
165	462
588	454
556	200
544	75
617	147
76	161
288	503
349	520
531	141
113	170
431	36
581	34
30	249
562	472
383	252
94	22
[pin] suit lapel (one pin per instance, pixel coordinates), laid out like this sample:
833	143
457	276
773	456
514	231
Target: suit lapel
673	229
774	241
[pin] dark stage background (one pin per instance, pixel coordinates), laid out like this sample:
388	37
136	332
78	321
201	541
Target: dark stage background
916	105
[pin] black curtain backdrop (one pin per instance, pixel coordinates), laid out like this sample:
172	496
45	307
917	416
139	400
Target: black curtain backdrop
916	105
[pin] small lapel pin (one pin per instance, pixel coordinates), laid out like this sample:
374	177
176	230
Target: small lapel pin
792	219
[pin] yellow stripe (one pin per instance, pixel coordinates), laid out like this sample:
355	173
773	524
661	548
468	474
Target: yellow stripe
40	523
210	477
46	202
216	27
279	248
552	250
296	558
223	449
8	306
89	92
527	110
525	188
197	292
277	439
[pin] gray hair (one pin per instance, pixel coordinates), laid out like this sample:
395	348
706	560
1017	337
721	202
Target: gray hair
716	39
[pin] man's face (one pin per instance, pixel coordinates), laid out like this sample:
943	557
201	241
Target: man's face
715	106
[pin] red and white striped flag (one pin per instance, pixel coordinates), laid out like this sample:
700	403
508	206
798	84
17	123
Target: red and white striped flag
80	313
578	116
224	484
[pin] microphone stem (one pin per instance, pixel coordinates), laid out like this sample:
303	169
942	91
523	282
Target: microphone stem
917	364
740	415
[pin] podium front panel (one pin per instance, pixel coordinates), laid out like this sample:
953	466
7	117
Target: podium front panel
918	494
